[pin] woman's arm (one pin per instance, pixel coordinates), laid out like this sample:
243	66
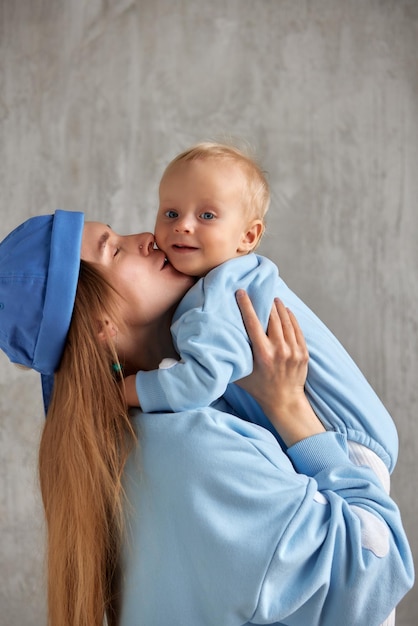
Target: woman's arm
280	370
277	383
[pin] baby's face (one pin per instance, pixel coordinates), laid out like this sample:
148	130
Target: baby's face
202	219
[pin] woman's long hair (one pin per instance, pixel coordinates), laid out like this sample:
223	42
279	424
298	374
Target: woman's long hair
85	443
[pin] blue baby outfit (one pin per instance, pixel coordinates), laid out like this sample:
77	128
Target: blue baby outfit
210	337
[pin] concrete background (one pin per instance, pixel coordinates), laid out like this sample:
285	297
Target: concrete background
97	95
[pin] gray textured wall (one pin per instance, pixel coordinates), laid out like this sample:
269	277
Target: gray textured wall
97	95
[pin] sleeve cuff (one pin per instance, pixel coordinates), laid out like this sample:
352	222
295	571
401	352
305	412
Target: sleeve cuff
314	454
150	393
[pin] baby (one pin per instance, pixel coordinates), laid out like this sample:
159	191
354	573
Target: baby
213	201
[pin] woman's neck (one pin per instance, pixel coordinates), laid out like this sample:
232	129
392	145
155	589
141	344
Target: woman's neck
147	346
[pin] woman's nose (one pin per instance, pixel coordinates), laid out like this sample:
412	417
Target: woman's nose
146	243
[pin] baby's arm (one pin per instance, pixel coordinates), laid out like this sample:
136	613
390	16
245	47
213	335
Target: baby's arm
210	338
212	354
129	388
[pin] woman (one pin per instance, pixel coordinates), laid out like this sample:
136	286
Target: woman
219	525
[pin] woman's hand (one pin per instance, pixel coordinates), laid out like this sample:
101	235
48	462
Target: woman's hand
280	370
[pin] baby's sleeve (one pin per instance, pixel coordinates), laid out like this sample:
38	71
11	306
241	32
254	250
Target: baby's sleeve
212	354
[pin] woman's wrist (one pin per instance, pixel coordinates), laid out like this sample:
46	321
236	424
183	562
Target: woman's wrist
295	420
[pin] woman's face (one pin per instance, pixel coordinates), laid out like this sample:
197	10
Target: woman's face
149	286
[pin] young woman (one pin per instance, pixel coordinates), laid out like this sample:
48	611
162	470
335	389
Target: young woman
200	519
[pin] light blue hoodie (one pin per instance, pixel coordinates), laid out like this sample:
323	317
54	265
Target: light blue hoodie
210	337
223	530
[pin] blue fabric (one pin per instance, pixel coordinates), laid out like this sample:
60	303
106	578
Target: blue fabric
39	268
222	530
210	337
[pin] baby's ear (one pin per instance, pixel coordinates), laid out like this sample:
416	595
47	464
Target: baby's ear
250	238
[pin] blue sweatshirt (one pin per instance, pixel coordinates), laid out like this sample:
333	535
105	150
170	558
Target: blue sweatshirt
225	529
210	338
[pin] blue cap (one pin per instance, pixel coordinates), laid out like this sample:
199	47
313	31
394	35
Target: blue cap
39	268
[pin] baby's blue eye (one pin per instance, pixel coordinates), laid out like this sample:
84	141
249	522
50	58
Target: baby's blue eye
207	215
171	213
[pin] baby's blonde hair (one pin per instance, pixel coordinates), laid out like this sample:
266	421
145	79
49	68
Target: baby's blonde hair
257	192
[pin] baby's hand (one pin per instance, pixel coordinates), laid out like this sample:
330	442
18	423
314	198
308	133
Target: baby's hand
129	387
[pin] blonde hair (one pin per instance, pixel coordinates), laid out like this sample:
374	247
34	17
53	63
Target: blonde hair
257	192
85	443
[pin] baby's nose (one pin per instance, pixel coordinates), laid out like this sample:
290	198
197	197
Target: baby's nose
184	225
